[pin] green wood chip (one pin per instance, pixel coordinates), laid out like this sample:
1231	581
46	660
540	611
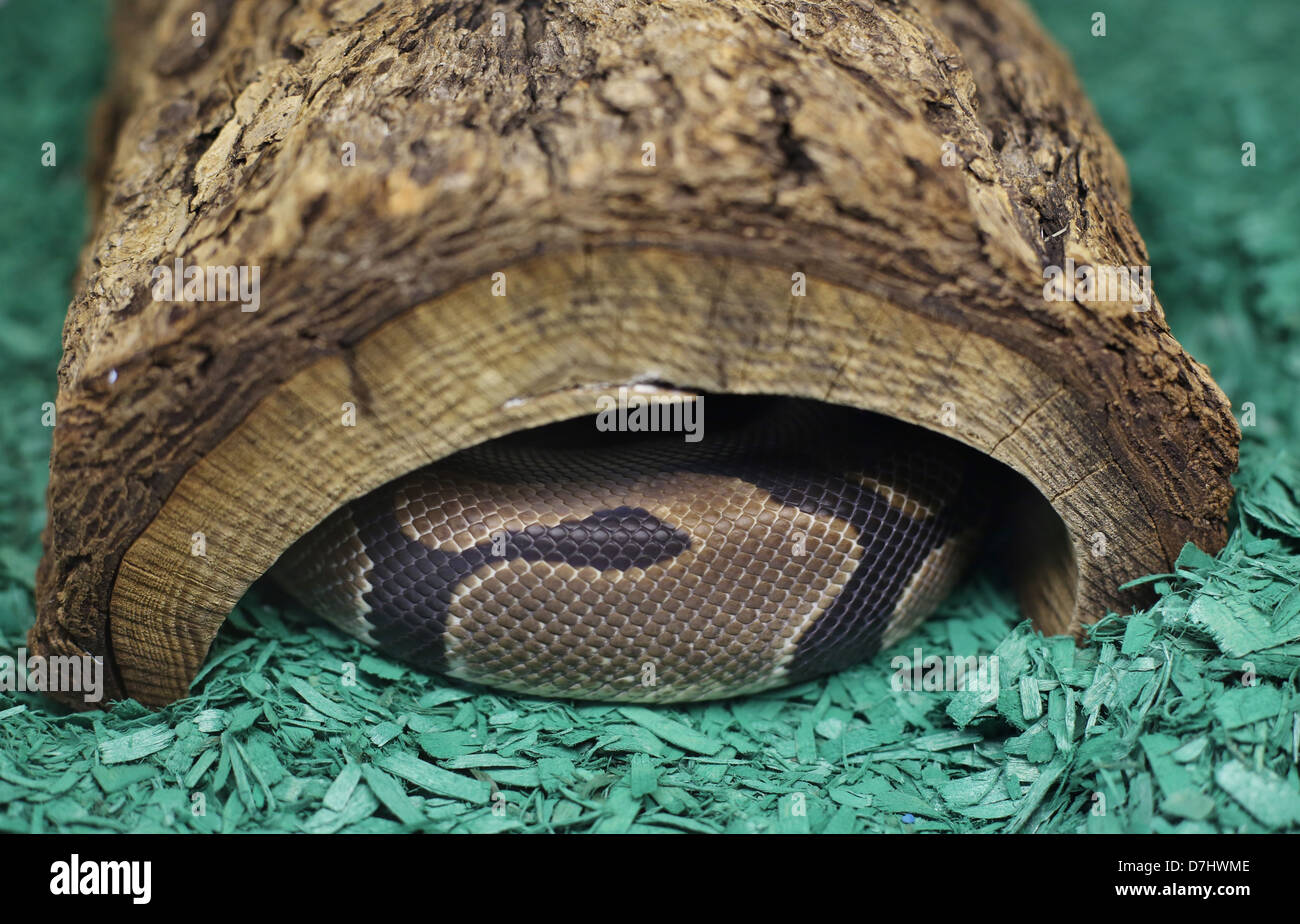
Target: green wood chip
436	780
139	744
805	744
1138	634
1245	705
322	704
1170	775
1188	803
523	778
390	793
340	791
201	765
1031	703
1239	630
111	779
676	733
361	804
1272	800
381	667
618	813
643	778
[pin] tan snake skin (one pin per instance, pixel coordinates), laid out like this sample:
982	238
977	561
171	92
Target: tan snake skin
796	538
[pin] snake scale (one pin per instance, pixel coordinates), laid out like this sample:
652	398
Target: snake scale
794	539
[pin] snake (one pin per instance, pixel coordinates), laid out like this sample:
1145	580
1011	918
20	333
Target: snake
794	539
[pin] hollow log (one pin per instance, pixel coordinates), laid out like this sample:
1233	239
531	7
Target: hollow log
467	218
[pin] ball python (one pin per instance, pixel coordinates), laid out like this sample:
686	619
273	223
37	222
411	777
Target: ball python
794	539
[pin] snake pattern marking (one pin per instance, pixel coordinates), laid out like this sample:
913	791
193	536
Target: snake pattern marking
795	539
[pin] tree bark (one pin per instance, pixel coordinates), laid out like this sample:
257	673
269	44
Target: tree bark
649	178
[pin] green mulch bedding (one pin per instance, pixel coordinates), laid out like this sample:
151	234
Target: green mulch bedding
1184	718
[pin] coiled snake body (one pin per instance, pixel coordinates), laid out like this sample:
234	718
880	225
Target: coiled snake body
792	540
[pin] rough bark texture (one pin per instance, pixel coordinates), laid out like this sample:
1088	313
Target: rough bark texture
817	149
